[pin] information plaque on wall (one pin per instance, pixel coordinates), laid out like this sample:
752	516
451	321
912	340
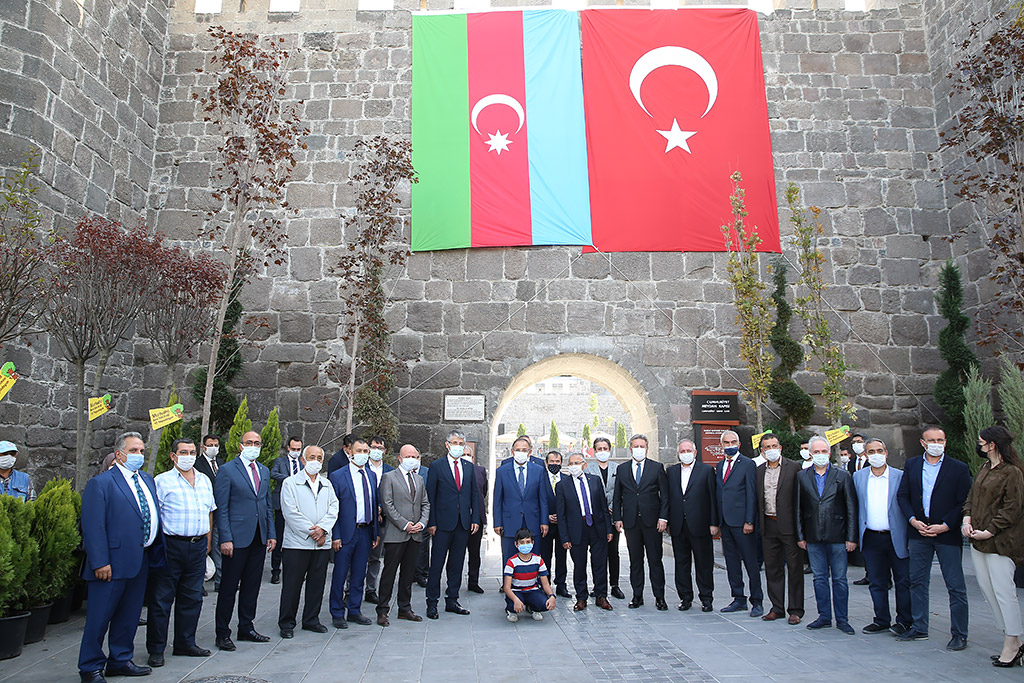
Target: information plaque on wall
464	408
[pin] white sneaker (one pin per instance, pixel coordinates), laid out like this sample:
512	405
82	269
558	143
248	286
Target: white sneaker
537	616
511	616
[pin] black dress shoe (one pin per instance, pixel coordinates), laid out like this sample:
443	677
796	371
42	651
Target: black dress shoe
287	633
315	628
562	592
205	592
370	597
275	576
253	637
142	621
735	606
422	583
685	605
861	582
129	669
635	602
194	651
707	606
661	605
155	660
475	588
339	623
617	593
456	609
360	619
225	644
92	676
956	643
432	613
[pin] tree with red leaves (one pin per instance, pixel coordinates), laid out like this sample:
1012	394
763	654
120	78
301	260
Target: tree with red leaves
260	137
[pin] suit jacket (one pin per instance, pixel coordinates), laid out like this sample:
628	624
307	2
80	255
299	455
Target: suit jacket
112	531
697	509
609	486
952	486
832	518
303	508
737	497
240	510
337	461
549	494
646	500
279	471
400	507
344	488
513	510
785	496
481	488
897	520
571	518
452	507
203	465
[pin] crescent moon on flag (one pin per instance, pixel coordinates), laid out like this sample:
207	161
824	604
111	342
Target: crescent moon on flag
672	55
498	98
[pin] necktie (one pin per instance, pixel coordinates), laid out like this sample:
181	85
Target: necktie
586	503
213	465
728	469
636	477
412	486
147	521
366	497
458	477
522	481
554	481
293	464
255	476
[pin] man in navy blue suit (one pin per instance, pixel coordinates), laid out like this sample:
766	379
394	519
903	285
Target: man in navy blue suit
378	447
245	521
475	540
355	534
454	515
586	530
737	503
552	551
520	500
122	539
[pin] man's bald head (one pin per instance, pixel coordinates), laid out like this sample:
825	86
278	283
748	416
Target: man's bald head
408	450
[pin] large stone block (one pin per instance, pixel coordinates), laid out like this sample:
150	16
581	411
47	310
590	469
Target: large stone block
545	317
675	352
505	345
436	375
473	290
484	317
424	316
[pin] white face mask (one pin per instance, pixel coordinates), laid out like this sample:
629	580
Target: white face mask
876	459
186	462
7	461
858	447
936	449
602	456
772	454
211	451
844	459
360	458
575	471
639	453
250	453
521	457
409	464
687	457
313	467
805	454
294	454
376	454
819	459
456	450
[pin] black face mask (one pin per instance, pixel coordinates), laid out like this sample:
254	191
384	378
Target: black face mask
981	453
554	469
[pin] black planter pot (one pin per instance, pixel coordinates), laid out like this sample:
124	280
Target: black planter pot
37	620
61	610
12	635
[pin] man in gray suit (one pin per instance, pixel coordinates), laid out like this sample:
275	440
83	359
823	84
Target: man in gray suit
403	500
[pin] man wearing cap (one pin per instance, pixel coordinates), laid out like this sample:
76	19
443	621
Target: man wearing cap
13	482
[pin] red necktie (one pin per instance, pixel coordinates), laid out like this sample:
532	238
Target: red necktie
255	476
458	479
728	469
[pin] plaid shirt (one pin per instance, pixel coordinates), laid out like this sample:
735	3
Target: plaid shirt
184	509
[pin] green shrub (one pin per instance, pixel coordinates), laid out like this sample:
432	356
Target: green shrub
55	527
24	553
6	564
240	426
168	435
270	437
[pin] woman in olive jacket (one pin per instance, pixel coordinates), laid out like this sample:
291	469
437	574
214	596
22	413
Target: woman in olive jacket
993	523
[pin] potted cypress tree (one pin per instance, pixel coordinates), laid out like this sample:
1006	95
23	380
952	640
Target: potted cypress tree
18	552
55	527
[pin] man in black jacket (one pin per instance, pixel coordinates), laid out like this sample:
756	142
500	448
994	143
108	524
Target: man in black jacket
586	526
826	512
640	507
776	504
692	522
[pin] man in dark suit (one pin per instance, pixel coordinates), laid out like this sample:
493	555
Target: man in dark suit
826	513
423	559
283	467
356	532
552	551
122	539
341	458
603	453
640	511
932	494
520	500
857	460
586	526
245	519
692	522
454	515
475	540
776	509
738	507
209	462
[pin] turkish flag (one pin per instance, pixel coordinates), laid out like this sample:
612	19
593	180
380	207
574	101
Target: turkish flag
675	104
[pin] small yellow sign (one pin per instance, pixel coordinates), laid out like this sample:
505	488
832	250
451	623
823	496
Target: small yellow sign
98	406
8	377
755	440
161	417
834	436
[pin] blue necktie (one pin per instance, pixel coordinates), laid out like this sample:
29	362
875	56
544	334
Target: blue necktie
147	521
522	480
637	477
586	504
366	498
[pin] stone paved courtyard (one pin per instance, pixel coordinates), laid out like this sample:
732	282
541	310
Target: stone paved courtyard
623	645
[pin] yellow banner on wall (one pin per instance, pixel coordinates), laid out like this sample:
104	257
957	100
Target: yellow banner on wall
98	406
161	417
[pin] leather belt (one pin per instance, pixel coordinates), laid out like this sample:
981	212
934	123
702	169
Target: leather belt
772	516
362	525
187	539
874	531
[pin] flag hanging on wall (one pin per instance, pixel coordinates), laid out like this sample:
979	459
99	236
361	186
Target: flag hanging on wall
516	144
498	135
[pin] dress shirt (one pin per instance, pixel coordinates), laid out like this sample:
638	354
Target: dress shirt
878	501
185	509
727	467
213	463
453	465
820	479
684	476
154	517
929	473
357	486
806	464
248	471
376	469
521	472
582	490
862	461
293	465
638	474
771	488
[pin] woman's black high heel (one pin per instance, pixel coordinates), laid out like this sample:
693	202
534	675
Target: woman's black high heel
1018	660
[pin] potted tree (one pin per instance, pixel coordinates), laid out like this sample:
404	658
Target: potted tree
18	553
55	528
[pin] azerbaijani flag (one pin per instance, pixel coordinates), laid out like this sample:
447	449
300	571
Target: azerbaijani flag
499	140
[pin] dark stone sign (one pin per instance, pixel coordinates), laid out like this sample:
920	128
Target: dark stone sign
714	406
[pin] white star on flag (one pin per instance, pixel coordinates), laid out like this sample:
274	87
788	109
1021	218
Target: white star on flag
499	142
677	138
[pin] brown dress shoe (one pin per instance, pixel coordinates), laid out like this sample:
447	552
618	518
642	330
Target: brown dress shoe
410	616
382	619
580	605
603	603
794	619
771	616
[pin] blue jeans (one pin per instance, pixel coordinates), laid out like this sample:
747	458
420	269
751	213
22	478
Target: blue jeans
535	600
828	560
922	550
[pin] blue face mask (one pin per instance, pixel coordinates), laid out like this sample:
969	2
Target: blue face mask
525	548
731	451
134	461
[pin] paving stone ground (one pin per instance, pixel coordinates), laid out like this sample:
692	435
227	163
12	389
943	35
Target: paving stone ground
566	647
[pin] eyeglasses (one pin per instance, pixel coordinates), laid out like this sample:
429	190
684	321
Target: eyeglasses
251	443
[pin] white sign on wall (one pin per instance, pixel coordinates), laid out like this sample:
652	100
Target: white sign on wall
464	408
